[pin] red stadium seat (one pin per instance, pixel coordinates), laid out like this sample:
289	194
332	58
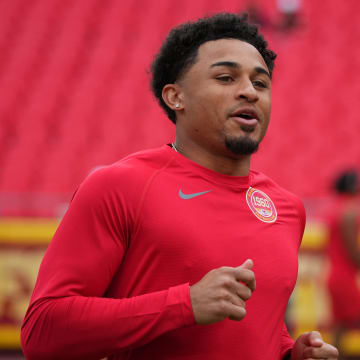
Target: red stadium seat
75	93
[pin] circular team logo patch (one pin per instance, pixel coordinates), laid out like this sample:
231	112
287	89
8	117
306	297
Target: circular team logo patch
261	205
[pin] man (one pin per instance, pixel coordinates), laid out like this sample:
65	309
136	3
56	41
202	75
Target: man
159	255
344	254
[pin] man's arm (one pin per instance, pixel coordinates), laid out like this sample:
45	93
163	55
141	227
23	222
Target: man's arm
68	316
75	327
287	343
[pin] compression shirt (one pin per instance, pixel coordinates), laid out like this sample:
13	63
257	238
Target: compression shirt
115	279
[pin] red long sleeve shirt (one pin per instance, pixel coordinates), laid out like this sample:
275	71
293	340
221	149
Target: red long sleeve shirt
115	279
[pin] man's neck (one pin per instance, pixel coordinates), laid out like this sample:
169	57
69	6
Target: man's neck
219	160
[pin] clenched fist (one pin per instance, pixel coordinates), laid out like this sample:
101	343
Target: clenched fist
311	346
222	293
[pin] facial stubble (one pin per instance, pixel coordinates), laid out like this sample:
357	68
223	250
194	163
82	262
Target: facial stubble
243	145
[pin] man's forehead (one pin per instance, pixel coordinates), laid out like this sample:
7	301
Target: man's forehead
229	50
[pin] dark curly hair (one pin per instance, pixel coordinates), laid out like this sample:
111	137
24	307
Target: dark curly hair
180	49
347	182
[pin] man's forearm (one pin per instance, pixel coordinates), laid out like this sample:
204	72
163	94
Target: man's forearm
76	327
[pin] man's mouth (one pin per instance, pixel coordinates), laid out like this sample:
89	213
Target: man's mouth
245	113
246	118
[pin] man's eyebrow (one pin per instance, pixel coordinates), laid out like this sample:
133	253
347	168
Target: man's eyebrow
234	64
226	63
261	70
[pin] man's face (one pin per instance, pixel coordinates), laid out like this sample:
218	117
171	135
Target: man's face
226	98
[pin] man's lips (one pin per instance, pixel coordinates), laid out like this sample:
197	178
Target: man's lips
245	116
243	121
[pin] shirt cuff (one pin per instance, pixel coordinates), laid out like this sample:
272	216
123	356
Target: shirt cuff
181	294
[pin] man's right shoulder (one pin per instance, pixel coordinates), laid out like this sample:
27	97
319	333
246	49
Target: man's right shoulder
130	173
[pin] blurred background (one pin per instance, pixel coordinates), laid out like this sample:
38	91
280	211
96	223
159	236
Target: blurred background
74	95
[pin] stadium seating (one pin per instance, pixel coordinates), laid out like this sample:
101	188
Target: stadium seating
75	94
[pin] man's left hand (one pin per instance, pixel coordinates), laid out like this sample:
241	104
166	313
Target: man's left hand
311	346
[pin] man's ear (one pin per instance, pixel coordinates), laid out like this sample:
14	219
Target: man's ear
173	97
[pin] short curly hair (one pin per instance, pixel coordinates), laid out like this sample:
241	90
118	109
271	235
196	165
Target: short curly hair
180	49
347	182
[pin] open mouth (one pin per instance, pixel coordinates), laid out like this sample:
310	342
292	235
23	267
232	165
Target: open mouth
245	116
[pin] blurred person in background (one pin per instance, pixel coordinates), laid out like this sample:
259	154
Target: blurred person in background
159	254
344	254
256	15
289	10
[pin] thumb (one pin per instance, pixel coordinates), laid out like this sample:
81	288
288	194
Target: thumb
313	339
247	264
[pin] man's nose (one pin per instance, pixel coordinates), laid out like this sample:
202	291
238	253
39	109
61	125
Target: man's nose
246	90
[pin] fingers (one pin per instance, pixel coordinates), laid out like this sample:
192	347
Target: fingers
233	298
247	264
234	291
242	291
236	313
316	348
313	339
244	274
222	293
326	351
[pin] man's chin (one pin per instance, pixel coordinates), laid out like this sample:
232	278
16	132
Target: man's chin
241	145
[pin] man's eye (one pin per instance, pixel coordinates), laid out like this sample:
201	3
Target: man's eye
225	78
260	84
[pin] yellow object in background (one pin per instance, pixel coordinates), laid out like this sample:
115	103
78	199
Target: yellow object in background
23	242
315	236
27	231
9	337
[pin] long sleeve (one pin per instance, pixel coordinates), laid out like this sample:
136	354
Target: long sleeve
68	316
287	343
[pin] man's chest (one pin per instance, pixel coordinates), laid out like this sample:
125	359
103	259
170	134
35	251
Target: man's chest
185	230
